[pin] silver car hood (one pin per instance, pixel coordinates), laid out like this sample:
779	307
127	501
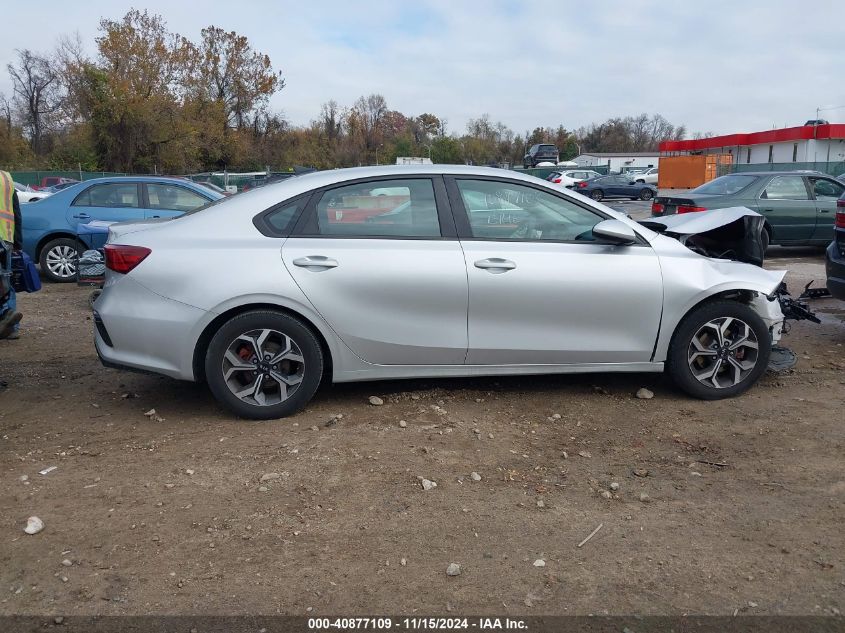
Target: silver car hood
735	233
701	222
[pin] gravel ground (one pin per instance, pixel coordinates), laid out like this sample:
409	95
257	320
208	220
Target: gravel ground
706	507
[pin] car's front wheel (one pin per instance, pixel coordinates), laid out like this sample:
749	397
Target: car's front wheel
58	259
264	365
719	350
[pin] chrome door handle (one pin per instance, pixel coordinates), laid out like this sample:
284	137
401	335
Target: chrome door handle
494	264
82	216
315	262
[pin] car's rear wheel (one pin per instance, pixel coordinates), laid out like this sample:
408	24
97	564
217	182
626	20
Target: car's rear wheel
646	194
719	350
58	259
264	365
597	194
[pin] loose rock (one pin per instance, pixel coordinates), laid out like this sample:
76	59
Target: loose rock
453	569
645	394
270	477
539	563
67	562
644	497
33	525
475	476
402	424
376	401
428	485
614	485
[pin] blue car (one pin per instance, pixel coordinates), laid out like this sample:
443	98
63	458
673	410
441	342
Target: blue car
50	225
615	186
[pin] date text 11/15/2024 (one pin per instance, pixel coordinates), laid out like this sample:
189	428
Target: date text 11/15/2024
416	624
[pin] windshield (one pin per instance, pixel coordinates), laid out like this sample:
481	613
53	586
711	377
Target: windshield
725	185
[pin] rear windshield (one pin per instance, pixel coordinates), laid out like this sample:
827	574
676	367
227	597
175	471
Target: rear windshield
547	148
725	185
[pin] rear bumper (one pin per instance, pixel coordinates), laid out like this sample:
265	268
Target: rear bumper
140	330
835	268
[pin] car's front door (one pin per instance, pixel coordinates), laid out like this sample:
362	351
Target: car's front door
543	291
109	202
826	192
168	200
786	204
386	272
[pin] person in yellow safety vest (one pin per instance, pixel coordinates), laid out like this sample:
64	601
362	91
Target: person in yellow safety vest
10	240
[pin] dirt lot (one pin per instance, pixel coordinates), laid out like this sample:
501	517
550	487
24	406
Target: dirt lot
171	516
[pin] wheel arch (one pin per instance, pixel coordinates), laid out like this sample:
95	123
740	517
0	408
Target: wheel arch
740	294
201	346
56	235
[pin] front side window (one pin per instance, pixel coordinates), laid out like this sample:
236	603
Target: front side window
786	188
826	189
114	195
508	211
390	208
174	197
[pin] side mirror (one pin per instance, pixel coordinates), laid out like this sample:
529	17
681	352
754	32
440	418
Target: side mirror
614	231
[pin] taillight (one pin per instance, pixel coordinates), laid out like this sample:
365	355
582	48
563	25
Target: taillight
122	259
557	180
582	184
840	215
688	208
657	207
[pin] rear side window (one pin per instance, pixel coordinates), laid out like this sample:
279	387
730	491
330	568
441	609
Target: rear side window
786	188
390	208
174	197
114	195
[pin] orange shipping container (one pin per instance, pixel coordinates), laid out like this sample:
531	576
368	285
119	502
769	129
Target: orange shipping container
686	172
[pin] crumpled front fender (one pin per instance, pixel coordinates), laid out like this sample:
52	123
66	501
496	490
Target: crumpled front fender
690	279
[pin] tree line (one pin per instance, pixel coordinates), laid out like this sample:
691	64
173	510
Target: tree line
151	100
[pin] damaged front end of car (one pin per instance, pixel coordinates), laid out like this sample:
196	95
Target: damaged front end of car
735	233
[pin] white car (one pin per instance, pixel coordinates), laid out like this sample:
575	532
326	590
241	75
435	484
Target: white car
572	177
27	194
649	176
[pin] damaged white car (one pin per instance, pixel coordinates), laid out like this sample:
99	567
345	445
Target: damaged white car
460	271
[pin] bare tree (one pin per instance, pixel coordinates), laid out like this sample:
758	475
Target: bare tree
37	94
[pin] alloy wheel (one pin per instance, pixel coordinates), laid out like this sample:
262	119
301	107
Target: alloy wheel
61	261
263	367
723	352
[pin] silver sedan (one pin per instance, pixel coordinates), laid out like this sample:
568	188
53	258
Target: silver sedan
422	271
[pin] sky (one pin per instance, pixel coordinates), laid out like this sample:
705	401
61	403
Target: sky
717	66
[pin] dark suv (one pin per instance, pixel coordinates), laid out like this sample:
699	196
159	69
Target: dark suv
835	256
540	154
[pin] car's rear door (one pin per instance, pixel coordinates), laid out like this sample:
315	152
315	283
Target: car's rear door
786	203
386	272
168	200
826	192
543	292
106	201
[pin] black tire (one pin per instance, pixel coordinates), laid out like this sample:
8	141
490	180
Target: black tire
301	335
766	239
646	194
597	194
54	260
678	365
